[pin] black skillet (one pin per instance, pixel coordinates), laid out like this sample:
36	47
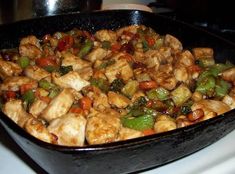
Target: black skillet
132	155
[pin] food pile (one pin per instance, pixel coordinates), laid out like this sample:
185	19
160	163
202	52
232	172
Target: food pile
76	88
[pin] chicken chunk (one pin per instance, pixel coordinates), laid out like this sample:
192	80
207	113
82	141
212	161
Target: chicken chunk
127	133
70	59
8	68
37	129
100	100
70	80
106	35
15	111
86	73
181	74
208	106
229	75
153	59
30	40
97	54
59	106
230	101
164	123
37	107
29	50
118	100
102	127
201	53
185	58
122	68
173	43
69	128
36	73
14	83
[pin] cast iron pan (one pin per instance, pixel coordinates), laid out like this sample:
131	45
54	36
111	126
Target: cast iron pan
131	155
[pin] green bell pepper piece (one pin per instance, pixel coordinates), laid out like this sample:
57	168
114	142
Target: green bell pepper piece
85	48
158	94
140	123
222	88
206	85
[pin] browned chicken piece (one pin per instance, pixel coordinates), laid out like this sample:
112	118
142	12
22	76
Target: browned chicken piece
37	129
102	127
165	55
30	51
185	58
165	80
132	28
164	123
69	128
181	74
127	133
15	111
14	83
203	53
153	59
8	68
121	68
229	75
100	100
230	101
86	73
30	40
36	73
209	106
97	54
173	43
69	80
37	107
59	106
77	63
106	35
118	100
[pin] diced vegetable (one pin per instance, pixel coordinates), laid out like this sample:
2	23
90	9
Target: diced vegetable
85	49
65	43
206	85
117	85
10	95
45	84
206	62
47	61
23	61
28	97
181	94
106	64
130	88
106	44
140	123
25	87
65	69
85	103
222	88
159	93
100	83
54	92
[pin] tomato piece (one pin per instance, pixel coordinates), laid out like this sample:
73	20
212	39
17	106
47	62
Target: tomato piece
76	110
25	87
150	41
147	85
45	61
149	104
115	47
195	68
10	95
148	132
85	103
65	43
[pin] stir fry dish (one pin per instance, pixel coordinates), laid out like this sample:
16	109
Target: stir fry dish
78	88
